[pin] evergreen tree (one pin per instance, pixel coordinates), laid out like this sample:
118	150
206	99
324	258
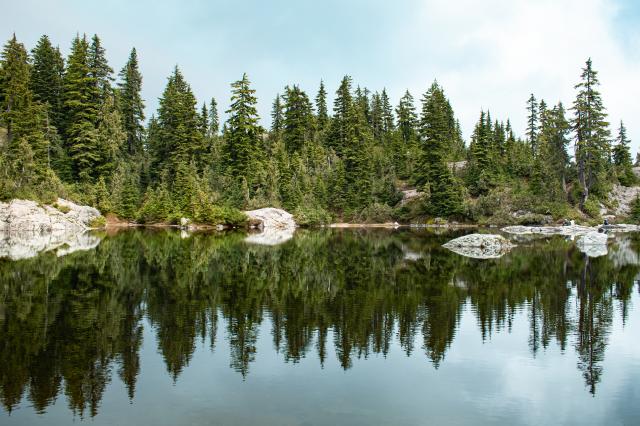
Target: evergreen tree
276	115
130	103
46	78
81	110
298	119
622	158
321	106
342	118
435	127
387	113
592	135
407	118
99	69
15	96
214	120
178	140
242	136
482	168
204	120
532	123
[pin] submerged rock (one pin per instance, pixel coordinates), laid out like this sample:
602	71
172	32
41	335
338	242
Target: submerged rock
480	246
276	226
593	244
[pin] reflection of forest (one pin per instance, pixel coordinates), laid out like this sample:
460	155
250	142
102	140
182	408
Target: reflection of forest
66	323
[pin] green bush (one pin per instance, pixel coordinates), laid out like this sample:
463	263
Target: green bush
311	216
98	222
592	208
375	213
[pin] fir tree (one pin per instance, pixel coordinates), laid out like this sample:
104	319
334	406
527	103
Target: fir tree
242	136
276	115
130	103
532	123
321	106
387	113
99	69
435	127
46	78
81	110
298	119
592	134
622	158
214	120
407	117
204	120
15	96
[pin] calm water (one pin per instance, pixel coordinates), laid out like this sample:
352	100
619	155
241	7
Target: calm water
331	327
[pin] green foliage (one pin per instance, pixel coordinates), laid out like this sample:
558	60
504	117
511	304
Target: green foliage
98	222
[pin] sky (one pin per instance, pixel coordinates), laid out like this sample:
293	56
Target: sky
489	54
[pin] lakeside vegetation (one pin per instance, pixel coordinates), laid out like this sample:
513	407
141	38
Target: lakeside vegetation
69	128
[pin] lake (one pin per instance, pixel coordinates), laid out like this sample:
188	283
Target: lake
158	327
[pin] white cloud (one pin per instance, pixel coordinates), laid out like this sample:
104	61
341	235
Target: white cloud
493	54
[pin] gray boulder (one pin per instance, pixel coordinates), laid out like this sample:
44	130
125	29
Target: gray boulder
276	226
593	244
480	246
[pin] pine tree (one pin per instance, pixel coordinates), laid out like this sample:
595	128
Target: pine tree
407	118
242	136
532	123
15	96
436	130
130	103
46	78
204	120
482	168
178	140
622	158
81	110
276	115
214	120
297	124
111	137
321	107
342	116
100	71
387	113
592	134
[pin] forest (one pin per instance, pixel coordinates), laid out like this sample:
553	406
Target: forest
70	127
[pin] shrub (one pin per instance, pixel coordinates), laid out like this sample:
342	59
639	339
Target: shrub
98	222
375	213
311	216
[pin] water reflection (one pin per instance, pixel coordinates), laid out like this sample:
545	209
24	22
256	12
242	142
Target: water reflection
68	324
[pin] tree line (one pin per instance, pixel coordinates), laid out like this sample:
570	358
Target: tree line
70	127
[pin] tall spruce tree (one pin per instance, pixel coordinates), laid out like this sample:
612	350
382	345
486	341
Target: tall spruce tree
15	96
81	106
243	133
130	103
100	71
214	120
591	133
178	142
407	118
46	78
622	158
436	133
532	123
298	119
276	115
321	106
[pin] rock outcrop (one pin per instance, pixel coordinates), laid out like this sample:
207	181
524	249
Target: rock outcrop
623	196
480	246
29	216
276	226
28	228
593	244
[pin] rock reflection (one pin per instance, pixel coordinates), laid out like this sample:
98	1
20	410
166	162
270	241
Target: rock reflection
67	324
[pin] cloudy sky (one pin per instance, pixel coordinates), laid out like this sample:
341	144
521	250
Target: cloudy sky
487	54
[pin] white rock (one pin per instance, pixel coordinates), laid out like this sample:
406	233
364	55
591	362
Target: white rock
270	217
480	246
27	244
26	215
276	225
593	244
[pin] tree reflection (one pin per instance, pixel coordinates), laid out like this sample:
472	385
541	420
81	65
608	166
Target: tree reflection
68	324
